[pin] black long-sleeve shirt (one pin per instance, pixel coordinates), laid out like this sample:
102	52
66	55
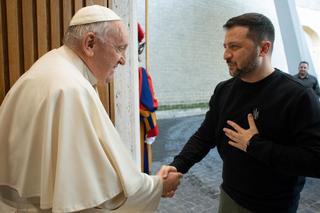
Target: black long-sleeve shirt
310	82
270	175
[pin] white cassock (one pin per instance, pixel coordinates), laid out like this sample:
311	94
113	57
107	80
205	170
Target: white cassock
59	150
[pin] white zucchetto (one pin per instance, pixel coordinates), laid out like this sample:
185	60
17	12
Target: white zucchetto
92	14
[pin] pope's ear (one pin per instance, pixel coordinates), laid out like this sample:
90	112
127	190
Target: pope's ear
88	43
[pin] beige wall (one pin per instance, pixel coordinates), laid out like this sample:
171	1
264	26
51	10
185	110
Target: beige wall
309	19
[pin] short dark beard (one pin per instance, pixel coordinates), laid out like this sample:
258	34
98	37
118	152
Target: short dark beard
247	69
250	67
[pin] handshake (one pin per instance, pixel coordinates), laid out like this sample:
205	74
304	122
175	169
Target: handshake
171	180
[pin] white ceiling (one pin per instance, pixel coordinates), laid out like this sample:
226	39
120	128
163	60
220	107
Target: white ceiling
311	4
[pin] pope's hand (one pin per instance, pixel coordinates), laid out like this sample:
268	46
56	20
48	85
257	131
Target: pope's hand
165	170
171	180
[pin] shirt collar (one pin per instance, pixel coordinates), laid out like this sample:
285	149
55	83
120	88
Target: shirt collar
306	77
82	67
88	75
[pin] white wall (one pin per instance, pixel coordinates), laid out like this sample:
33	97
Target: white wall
310	18
126	83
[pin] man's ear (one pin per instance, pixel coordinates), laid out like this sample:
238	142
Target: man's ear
88	43
265	48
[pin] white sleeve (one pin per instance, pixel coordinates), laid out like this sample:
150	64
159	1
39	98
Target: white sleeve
146	199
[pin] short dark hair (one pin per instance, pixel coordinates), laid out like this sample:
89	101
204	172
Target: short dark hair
260	27
303	62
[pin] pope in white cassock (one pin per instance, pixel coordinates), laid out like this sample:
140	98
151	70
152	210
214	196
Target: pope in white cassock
59	151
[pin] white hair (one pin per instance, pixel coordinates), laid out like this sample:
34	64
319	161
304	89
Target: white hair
75	33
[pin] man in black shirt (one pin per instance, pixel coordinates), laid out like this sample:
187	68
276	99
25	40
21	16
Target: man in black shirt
265	125
307	79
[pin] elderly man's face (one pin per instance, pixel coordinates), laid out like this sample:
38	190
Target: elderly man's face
110	53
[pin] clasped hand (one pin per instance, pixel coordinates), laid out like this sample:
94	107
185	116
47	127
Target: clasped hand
171	180
240	137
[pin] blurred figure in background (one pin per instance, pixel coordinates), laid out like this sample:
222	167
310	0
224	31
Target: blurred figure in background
307	79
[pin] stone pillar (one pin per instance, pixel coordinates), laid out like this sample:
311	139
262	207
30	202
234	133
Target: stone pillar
294	42
127	83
